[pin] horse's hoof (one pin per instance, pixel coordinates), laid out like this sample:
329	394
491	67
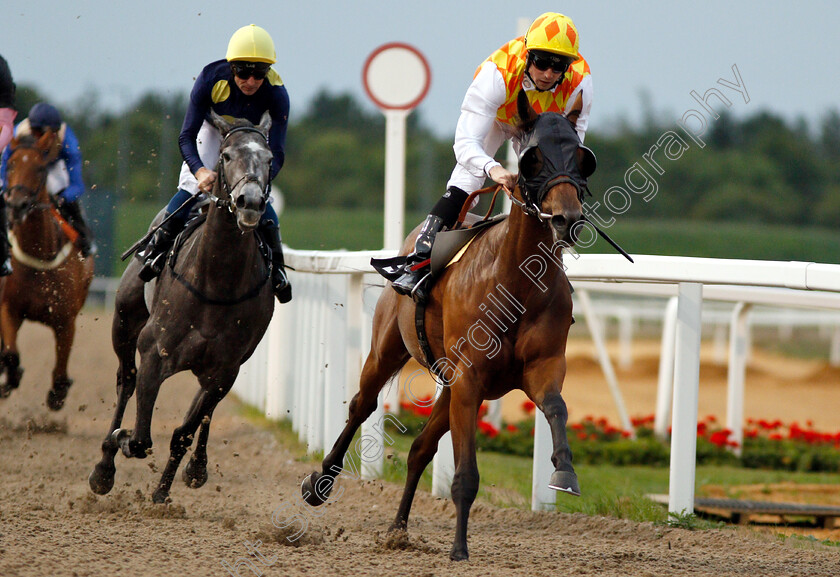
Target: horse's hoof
160	496
57	395
459	554
195	475
565	481
309	493
101	479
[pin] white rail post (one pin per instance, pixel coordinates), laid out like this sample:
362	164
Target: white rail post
303	332
738	341
372	427
335	405
543	498
665	387
625	338
443	467
395	121
834	354
594	324
316	389
686	389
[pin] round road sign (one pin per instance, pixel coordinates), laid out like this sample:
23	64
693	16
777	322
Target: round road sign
396	76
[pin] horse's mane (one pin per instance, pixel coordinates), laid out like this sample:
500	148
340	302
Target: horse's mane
527	115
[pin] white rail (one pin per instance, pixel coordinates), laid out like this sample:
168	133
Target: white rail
308	367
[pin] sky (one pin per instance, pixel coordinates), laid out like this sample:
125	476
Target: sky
644	56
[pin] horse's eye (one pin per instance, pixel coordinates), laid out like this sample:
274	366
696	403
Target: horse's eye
226	157
531	163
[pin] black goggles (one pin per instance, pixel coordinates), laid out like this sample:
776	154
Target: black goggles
543	62
244	71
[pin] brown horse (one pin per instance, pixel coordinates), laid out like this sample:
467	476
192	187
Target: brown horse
496	321
51	278
207	313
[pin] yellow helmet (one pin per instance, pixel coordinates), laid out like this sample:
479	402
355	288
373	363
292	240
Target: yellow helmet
253	44
555	33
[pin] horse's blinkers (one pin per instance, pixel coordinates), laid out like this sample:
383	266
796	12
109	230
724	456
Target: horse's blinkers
550	157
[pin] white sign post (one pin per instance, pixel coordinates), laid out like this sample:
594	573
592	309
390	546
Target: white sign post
396	77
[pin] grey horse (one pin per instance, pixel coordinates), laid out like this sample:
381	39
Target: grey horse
206	313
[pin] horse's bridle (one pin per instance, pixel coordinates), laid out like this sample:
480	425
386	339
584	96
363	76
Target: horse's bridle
22	212
531	206
246	178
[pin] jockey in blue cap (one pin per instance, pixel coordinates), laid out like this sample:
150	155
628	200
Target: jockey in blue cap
64	176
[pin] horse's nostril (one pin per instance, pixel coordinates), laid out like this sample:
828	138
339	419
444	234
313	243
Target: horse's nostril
240	202
262	205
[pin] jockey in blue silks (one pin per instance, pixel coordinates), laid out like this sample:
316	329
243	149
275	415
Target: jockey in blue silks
64	175
243	85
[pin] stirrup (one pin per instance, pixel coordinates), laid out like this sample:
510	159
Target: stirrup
153	266
419	293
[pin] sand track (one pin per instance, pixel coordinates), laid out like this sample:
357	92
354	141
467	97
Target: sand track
51	524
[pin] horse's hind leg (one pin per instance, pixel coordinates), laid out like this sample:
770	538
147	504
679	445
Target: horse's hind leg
387	355
422	450
195	473
129	316
64	334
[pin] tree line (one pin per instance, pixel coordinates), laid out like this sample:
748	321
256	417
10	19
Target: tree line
761	168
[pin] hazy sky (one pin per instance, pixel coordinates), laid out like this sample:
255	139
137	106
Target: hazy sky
788	55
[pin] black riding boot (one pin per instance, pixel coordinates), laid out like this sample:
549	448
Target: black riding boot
443	215
154	255
5	259
417	265
279	281
72	211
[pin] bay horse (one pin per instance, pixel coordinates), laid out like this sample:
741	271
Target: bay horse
207	312
492	322
50	279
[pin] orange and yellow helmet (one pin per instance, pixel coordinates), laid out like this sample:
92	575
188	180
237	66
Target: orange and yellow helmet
555	33
253	44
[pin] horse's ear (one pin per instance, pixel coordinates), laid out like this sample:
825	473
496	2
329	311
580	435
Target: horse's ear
48	145
586	161
526	112
223	125
265	123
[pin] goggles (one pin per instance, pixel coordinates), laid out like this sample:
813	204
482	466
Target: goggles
544	61
245	70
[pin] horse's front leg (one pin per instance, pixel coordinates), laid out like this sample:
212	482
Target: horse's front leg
463	414
153	371
213	390
65	332
10	357
387	355
543	385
